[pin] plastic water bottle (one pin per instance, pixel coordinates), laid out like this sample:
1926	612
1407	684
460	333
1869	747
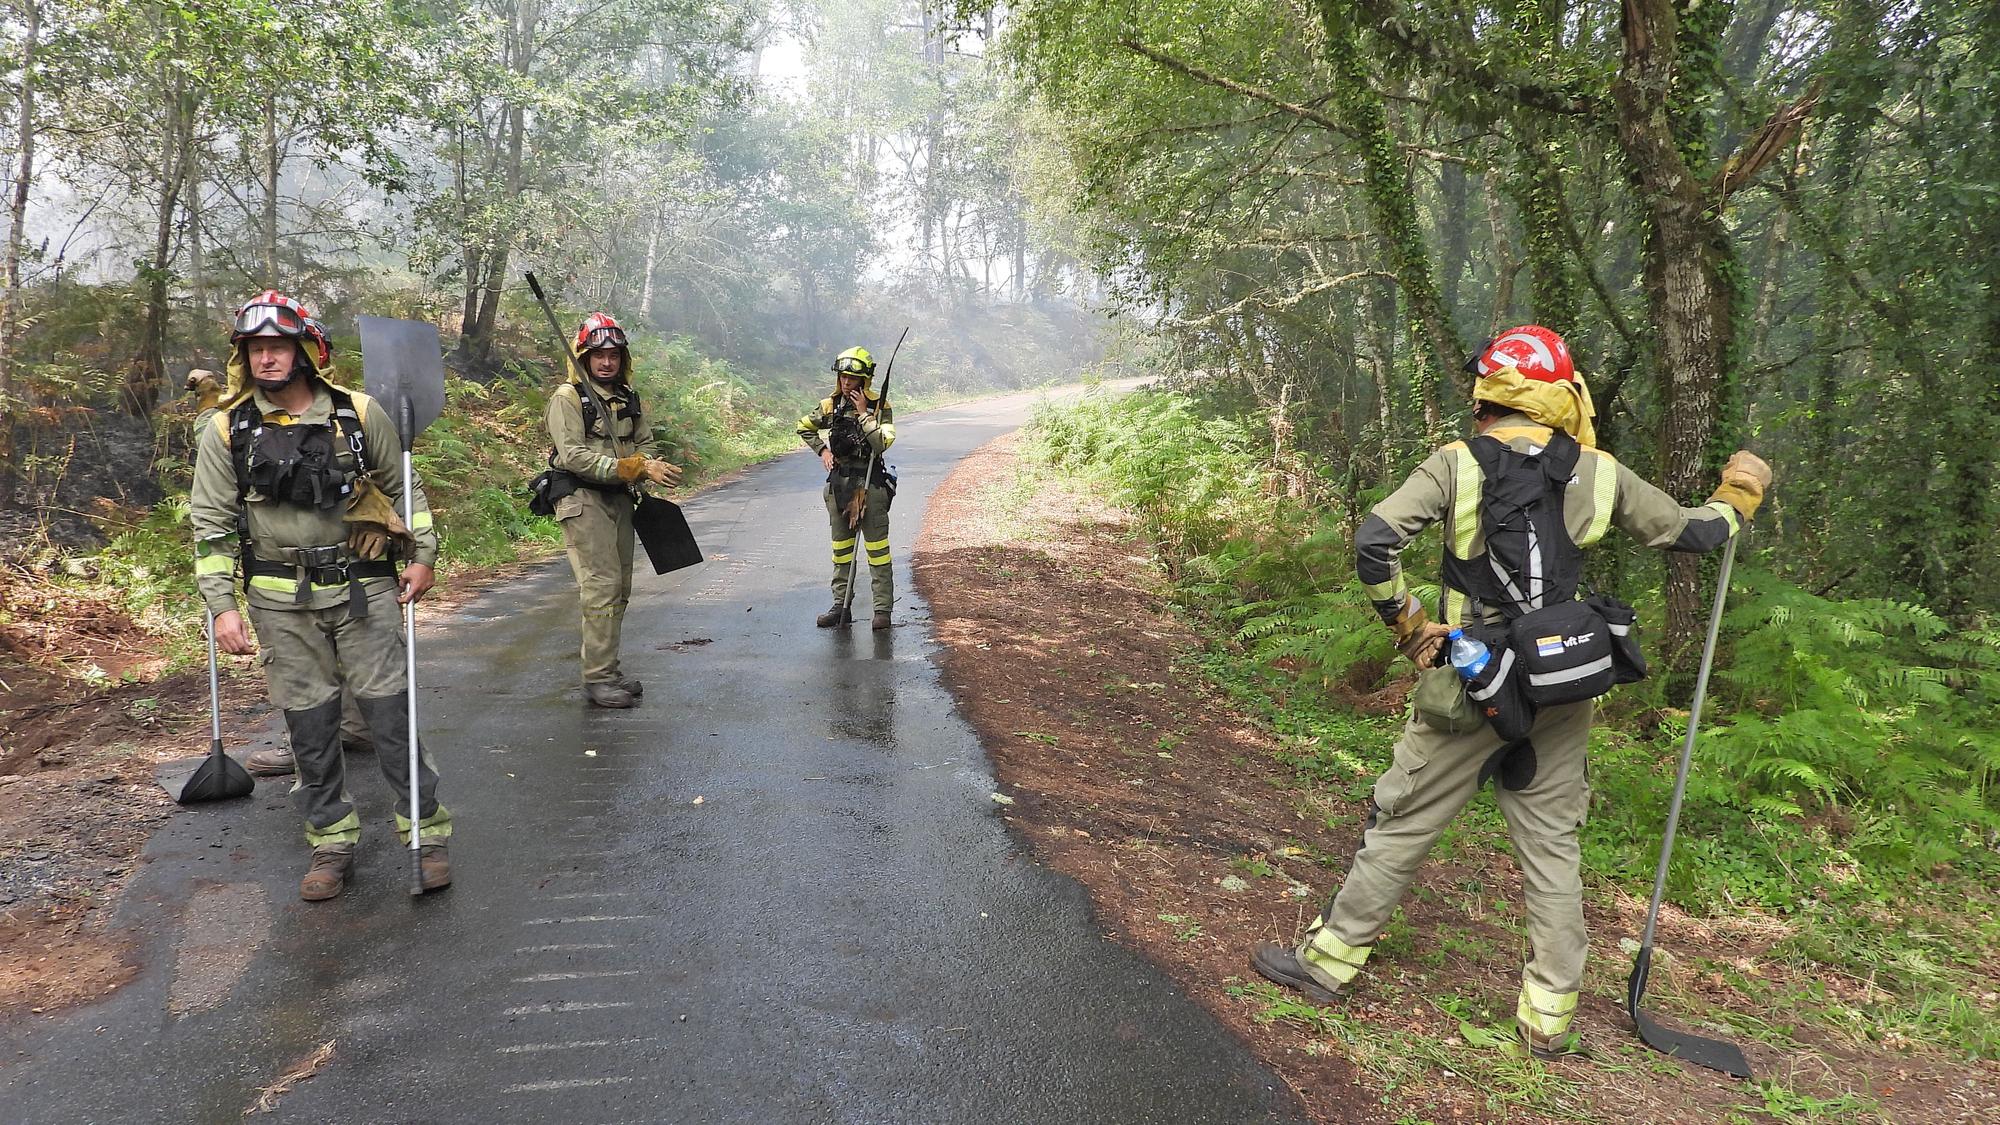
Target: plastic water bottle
1468	655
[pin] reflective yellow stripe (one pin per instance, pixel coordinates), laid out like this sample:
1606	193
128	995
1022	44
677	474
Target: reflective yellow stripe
1453	612
843	558
346	830
843	544
278	585
1332	956
1465	508
1603	498
875	544
879	560
1729	513
437	826
1390	591
1545	1013
420	522
213	564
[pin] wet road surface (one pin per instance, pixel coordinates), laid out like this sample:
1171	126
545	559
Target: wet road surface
777	891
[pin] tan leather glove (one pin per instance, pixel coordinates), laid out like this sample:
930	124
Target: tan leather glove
372	523
663	472
1416	637
207	387
1744	479
630	469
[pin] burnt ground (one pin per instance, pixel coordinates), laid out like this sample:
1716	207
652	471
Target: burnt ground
1131	774
78	799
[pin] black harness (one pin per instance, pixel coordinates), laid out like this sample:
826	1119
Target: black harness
299	464
1554	648
1530	560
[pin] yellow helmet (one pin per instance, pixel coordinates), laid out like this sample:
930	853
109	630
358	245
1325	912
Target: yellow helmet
855	361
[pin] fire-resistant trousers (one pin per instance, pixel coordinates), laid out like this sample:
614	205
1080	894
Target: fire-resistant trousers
1542	787
308	655
872	539
597	528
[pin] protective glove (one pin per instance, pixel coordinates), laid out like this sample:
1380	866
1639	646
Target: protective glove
663	472
207	387
1423	646
1416	637
630	469
1744	479
372	523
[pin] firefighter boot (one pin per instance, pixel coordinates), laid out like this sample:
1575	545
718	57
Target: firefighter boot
881	621
434	863
275	761
832	617
608	695
332	864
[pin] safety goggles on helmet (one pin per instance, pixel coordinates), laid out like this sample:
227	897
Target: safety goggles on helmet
603	336
849	365
270	319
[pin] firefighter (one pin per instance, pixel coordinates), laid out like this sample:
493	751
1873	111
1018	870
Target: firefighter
297	481
602	451
851	431
1536	411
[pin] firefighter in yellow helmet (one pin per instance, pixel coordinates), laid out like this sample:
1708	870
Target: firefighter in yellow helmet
602	450
298	480
1517	502
850	431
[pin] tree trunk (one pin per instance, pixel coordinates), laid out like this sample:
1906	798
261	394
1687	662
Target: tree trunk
1689	280
17	212
652	263
268	231
477	344
146	376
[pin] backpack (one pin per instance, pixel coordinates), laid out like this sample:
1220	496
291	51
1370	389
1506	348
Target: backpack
1554	648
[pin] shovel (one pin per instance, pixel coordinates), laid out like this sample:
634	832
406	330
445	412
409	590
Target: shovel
218	777
1715	1054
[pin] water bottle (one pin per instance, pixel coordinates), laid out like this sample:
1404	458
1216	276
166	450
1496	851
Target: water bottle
1468	655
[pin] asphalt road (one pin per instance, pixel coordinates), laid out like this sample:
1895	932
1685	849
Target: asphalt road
778	891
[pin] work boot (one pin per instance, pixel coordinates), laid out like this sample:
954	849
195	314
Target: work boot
832	617
632	687
1280	965
608	695
881	621
434	862
1547	1049
331	865
276	761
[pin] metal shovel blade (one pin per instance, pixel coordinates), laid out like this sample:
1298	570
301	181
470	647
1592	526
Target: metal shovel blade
1714	1054
664	532
217	777
403	363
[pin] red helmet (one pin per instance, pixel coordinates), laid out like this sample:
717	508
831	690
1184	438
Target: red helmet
599	330
1532	350
322	342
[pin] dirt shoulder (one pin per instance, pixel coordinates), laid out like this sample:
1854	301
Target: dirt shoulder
78	800
1130	774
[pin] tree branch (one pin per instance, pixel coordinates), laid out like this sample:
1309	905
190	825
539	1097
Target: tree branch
1256	93
1388	20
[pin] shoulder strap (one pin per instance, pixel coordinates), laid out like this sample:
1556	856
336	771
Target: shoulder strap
347	422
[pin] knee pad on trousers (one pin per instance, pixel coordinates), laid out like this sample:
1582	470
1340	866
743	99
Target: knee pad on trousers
315	730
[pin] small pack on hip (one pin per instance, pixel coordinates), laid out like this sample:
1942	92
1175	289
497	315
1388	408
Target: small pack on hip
1576	650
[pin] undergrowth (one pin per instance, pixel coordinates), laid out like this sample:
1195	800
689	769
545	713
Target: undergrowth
1846	781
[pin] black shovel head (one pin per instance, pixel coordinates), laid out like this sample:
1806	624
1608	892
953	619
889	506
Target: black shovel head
663	531
217	777
1699	1050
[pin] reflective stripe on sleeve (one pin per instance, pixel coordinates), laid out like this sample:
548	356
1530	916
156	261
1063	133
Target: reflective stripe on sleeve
1603	498
213	564
1465	508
